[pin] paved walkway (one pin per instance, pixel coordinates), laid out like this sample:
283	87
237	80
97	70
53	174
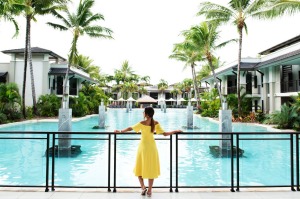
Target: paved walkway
191	194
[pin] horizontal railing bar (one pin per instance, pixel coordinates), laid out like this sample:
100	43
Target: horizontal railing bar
81	138
139	139
264	138
202	139
17	138
133	133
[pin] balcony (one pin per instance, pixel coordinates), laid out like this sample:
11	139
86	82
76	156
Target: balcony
290	86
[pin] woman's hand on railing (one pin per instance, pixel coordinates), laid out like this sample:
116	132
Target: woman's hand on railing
178	131
118	131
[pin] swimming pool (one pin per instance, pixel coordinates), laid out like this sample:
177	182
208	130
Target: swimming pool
22	162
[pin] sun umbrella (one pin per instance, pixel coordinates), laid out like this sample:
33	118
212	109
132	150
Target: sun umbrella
170	100
121	99
131	99
193	100
110	99
182	100
146	99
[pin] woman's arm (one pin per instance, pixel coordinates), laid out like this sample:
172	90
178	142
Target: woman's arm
172	132
124	130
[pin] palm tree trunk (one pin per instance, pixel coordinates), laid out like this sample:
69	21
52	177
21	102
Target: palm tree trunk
65	98
240	30
195	82
31	68
25	66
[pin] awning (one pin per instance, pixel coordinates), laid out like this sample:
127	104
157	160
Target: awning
63	71
3	74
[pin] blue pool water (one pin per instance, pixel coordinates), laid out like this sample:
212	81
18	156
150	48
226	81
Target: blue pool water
22	162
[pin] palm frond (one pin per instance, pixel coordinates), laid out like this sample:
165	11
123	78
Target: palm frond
59	16
93	18
57	26
215	11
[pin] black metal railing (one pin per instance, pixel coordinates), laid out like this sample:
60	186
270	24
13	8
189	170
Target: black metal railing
112	140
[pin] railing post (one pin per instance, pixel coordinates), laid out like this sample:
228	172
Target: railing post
115	163
47	164
232	162
297	160
176	153
53	165
237	163
292	161
109	153
171	140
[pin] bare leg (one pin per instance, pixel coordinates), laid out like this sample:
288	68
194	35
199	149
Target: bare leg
150	184
141	180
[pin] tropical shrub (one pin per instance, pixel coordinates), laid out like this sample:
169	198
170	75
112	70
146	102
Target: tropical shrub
79	105
10	101
48	105
94	96
210	104
246	104
287	118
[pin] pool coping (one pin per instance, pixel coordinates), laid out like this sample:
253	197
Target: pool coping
268	127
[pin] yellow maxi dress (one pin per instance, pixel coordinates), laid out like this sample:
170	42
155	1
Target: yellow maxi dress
147	159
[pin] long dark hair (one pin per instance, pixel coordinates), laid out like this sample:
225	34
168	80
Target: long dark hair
150	112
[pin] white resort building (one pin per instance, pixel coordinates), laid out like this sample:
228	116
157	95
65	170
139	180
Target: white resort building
270	80
49	71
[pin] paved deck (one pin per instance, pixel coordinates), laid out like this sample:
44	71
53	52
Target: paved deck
131	194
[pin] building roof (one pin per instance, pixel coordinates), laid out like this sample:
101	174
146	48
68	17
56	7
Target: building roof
63	71
34	50
245	66
281	45
279	58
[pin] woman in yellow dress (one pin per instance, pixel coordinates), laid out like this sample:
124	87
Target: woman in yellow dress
147	160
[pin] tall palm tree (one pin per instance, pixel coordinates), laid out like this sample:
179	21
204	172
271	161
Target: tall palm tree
79	23
9	9
236	13
205	38
34	8
162	85
190	54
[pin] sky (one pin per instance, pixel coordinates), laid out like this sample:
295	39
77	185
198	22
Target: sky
144	34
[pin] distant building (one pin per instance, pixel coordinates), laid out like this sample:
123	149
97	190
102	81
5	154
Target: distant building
49	71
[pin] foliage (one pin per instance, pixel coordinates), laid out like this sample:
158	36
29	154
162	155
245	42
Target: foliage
246	104
48	105
29	112
79	105
287	118
93	96
210	104
9	9
10	101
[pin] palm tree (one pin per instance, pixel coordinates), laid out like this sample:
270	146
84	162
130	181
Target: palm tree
281	7
79	23
9	9
205	38
187	85
34	8
162	85
86	63
237	12
190	54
